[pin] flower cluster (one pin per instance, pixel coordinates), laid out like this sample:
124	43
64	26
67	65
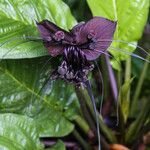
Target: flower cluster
78	47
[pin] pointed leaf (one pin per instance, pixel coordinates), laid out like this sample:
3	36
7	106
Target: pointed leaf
123	99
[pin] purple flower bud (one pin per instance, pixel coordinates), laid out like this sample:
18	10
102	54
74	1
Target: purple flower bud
59	35
62	71
69	75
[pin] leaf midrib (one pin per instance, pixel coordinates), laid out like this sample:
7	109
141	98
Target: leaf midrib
24	86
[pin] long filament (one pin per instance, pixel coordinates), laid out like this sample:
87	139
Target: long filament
129	53
117	105
101	78
89	90
121	41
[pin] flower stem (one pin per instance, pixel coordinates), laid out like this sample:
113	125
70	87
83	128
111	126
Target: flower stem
84	126
84	110
89	90
107	132
138	88
81	140
112	79
128	75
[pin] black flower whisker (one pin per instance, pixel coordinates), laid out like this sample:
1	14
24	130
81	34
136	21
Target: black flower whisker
129	53
125	42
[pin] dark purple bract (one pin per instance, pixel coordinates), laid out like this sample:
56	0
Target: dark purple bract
84	43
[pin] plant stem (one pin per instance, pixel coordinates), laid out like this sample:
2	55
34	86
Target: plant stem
112	79
105	77
84	126
90	93
138	88
85	111
143	131
108	133
119	79
135	128
81	140
128	73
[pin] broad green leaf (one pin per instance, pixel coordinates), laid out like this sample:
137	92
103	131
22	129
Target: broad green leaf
123	99
131	16
17	19
54	122
18	132
17	78
19	94
58	146
103	8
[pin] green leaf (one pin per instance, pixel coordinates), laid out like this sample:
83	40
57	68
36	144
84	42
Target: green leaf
103	8
58	146
18	132
131	17
123	99
54	122
19	94
18	19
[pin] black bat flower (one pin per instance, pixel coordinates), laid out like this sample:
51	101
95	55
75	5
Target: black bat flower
82	44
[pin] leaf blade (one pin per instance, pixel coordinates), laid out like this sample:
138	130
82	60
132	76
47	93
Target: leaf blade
20	131
23	24
19	94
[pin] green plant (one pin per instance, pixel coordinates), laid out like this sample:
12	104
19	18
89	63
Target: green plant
28	116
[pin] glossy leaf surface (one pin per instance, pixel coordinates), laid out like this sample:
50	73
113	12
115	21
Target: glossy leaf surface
18	132
18	19
19	94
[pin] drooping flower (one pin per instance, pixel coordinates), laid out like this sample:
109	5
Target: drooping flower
79	47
